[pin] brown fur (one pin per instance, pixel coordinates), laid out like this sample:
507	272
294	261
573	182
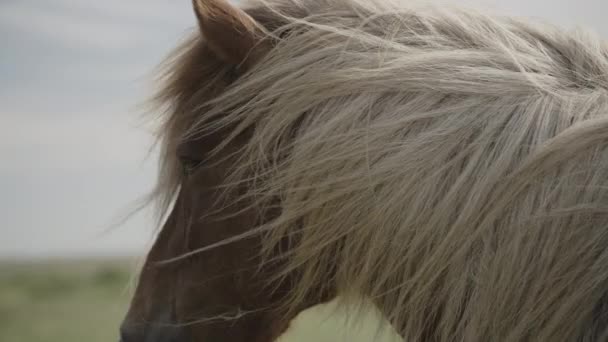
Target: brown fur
232	34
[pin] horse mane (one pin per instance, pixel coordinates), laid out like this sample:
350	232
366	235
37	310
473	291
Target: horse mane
448	164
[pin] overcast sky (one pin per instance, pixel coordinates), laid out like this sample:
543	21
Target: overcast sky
72	148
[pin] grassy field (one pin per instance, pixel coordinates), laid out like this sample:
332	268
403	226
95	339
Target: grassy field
85	301
68	302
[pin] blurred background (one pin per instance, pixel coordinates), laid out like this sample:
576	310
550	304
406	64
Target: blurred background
74	156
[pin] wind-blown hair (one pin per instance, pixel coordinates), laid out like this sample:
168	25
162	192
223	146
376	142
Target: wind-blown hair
448	164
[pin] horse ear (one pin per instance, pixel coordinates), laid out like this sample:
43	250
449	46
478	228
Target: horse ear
230	32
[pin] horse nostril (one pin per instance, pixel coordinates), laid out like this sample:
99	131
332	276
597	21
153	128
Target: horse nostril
152	332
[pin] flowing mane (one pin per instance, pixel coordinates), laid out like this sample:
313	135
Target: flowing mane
449	165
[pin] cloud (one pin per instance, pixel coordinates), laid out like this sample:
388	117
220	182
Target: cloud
91	25
71	42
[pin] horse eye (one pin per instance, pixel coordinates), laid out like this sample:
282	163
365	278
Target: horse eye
232	74
189	165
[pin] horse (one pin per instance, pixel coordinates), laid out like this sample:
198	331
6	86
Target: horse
448	165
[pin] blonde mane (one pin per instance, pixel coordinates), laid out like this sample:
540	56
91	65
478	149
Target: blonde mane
450	165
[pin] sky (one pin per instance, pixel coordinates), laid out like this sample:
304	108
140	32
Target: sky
73	142
73	145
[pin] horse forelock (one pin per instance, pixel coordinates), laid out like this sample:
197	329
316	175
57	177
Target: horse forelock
447	164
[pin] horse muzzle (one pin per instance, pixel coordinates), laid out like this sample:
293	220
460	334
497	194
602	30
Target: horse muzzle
156	331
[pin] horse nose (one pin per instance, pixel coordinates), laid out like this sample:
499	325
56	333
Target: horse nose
131	333
152	332
128	336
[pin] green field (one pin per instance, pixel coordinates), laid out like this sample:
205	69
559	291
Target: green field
85	301
68	302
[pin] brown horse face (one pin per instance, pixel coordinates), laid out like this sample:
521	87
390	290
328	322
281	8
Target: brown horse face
212	296
216	295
